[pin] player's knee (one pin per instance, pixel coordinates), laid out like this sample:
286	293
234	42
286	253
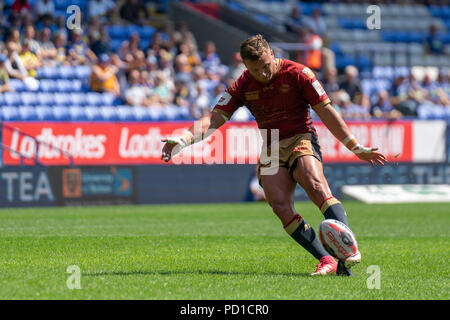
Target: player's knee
280	208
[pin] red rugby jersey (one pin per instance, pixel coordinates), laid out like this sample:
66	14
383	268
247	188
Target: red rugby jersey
283	103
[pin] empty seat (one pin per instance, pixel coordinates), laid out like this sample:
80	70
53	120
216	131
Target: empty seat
29	98
141	113
78	99
93	113
17	85
156	114
108	99
47	85
45	98
66	72
10	113
61	113
109	113
94	98
44	113
27	113
125	113
73	85
77	113
12	98
62	99
82	72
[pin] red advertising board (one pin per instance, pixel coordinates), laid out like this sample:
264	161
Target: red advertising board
140	143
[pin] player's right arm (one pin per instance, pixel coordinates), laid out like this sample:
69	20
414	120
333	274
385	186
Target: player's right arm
200	130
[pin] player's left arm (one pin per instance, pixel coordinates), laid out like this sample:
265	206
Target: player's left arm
337	126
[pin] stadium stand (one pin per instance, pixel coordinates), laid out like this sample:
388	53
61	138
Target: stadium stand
411	49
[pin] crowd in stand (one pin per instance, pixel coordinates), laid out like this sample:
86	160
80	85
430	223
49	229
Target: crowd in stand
172	69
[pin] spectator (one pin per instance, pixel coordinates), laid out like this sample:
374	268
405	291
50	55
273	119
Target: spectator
162	94
13	64
201	102
330	83
102	44
401	98
137	94
60	27
182	34
131	53
14	37
351	84
47	50
383	107
134	11
61	50
434	45
29	60
103	76
20	8
211	60
101	9
348	109
4	76
78	52
316	23
295	21
181	98
312	55
30	37
44	8
237	68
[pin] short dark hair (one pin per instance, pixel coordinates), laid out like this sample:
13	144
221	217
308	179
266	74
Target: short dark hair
254	47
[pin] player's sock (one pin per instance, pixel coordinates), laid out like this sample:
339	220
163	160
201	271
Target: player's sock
332	209
304	234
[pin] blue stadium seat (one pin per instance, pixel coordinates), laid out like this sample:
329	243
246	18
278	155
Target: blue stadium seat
78	98
157	114
47	73
93	113
44	113
27	113
172	113
141	113
108	99
125	113
47	85
118	32
62	99
82	72
73	85
146	32
94	98
61	113
28	98
77	113
66	72
109	113
45	98
17	85
12	98
10	113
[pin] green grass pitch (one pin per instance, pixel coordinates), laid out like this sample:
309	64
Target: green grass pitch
216	251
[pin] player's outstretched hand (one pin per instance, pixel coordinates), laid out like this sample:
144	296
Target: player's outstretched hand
370	155
167	149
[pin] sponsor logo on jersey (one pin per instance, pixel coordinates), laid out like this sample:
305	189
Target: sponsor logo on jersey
318	87
307	71
226	97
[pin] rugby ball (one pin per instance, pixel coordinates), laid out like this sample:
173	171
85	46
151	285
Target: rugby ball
338	239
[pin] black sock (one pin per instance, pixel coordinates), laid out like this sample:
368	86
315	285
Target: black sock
304	234
333	209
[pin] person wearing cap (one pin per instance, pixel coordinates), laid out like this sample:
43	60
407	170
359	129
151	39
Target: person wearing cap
4	76
103	76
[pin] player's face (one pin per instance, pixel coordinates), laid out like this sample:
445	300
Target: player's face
264	69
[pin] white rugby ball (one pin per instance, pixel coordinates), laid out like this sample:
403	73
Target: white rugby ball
338	239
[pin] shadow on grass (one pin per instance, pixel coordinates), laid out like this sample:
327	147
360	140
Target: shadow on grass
196	272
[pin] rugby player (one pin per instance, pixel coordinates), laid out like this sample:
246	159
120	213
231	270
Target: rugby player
279	93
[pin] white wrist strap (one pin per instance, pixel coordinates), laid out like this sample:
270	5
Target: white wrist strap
184	140
361	149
